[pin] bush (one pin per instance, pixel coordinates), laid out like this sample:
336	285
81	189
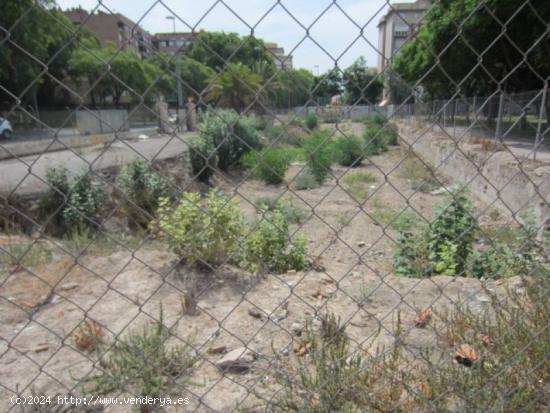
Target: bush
267	248
311	121
76	205
374	141
349	151
293	214
318	155
443	247
144	365
203	157
230	133
306	180
279	135
199	230
142	187
270	164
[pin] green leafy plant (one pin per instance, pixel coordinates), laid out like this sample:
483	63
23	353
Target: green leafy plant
349	150
141	188
144	364
319	156
451	236
204	231
75	205
203	157
311	121
231	134
269	164
268	248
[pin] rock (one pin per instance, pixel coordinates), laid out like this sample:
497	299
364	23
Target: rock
361	244
67	286
297	328
285	352
483	298
237	361
217	350
254	312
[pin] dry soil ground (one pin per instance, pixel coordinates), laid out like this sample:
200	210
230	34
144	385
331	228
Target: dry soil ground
123	290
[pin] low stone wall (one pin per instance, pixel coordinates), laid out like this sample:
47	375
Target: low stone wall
500	179
102	121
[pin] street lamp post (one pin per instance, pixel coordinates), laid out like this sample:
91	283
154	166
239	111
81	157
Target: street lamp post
178	76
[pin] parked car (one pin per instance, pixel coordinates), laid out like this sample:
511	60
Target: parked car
6	130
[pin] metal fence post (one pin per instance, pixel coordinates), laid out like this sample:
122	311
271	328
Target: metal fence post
539	122
498	133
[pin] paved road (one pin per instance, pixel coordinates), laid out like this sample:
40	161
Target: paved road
26	175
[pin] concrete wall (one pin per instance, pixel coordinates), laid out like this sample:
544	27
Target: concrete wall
102	121
500	179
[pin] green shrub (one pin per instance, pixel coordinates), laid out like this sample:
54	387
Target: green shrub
443	247
349	150
76	204
269	164
203	157
311	121
199	230
54	201
280	135
145	365
451	236
306	180
293	214
141	187
230	133
267	247
318	155
374	141
84	204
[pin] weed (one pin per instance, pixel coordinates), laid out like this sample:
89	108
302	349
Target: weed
141	188
311	121
269	164
319	156
144	365
349	151
359	178
421	176
27	255
267	247
292	213
306	180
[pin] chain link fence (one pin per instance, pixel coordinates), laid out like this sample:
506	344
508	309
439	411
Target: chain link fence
342	257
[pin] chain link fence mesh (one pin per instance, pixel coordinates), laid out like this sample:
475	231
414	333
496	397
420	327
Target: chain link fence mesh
378	256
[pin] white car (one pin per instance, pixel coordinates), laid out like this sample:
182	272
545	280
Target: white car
6	131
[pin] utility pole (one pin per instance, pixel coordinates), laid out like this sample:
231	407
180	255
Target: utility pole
178	76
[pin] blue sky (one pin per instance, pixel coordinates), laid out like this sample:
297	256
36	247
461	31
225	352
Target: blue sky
333	31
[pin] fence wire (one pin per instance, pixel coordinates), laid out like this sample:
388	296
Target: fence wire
251	250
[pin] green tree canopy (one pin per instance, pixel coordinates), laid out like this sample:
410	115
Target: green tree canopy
237	87
517	58
37	32
327	85
214	49
362	84
292	88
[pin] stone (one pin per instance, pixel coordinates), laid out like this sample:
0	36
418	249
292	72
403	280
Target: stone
361	244
217	350
254	312
237	361
67	286
297	328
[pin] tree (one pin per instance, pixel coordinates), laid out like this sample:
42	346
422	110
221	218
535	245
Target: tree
195	76
215	49
362	85
517	59
37	32
293	88
237	87
327	85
